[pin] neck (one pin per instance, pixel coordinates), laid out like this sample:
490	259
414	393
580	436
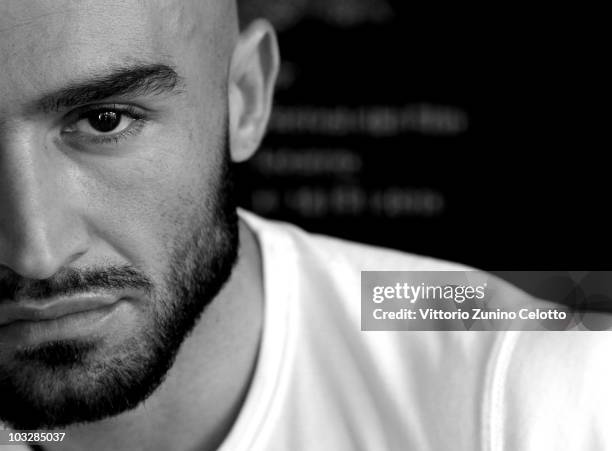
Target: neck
201	397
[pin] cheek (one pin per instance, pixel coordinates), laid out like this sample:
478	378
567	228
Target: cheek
140	207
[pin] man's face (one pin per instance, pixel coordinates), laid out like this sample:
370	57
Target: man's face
114	197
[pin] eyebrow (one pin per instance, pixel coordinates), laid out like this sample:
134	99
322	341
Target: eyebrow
133	81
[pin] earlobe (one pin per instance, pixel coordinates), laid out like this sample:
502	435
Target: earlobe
252	77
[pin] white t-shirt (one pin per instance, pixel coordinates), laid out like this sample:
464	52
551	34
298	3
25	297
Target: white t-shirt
321	384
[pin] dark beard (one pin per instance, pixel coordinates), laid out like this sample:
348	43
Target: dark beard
59	383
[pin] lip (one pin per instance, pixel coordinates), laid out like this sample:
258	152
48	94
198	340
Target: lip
52	309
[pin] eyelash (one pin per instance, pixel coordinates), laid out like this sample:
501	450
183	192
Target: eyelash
135	127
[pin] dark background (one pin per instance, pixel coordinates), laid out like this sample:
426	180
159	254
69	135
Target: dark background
446	132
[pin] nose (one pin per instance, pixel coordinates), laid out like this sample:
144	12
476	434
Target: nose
40	229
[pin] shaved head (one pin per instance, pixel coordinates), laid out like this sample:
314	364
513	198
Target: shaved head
75	36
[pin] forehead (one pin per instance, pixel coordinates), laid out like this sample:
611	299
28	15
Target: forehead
44	42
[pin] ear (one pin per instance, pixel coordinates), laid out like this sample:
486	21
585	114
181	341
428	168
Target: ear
252	76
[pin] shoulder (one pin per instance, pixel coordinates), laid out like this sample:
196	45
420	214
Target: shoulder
352	377
506	390
335	251
337	262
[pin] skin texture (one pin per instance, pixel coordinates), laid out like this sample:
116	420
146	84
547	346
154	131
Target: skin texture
74	202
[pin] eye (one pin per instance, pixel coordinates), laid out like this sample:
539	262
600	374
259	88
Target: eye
102	122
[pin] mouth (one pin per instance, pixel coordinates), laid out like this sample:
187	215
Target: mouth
51	309
27	322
